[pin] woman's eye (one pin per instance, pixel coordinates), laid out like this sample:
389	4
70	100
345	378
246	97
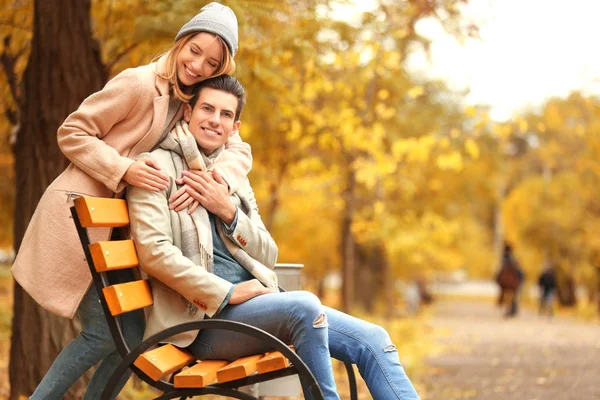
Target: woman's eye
193	50
212	65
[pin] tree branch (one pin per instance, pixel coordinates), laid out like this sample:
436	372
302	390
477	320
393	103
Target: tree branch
8	64
119	56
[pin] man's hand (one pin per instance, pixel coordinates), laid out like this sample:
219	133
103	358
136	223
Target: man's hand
144	173
245	291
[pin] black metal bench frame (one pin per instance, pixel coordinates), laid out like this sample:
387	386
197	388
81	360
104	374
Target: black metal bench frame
228	389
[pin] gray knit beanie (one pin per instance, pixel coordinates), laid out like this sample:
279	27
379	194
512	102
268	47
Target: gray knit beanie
214	18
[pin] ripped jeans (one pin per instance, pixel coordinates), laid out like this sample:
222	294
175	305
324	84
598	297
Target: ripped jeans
318	333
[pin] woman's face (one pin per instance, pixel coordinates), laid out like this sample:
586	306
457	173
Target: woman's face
199	58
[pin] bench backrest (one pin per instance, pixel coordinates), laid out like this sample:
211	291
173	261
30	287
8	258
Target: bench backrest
107	258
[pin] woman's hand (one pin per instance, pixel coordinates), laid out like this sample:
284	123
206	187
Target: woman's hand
182	199
245	291
144	173
211	191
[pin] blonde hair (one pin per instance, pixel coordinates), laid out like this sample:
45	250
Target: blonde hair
226	66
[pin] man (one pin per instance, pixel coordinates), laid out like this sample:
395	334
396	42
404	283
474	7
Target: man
547	285
217	261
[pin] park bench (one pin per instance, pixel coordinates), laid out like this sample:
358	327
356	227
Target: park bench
173	371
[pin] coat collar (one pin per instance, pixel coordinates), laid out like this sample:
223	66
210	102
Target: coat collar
162	85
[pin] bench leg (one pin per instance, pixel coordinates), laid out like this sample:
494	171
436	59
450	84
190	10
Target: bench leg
351	381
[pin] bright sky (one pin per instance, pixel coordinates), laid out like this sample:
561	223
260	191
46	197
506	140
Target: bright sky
530	50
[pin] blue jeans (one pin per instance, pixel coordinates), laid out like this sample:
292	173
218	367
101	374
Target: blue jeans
547	302
318	333
93	344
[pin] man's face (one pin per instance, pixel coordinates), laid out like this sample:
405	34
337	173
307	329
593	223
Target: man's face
212	121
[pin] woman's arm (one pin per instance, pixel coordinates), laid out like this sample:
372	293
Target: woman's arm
79	137
235	163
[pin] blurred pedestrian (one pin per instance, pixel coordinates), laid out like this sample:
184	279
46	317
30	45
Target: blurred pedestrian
547	284
510	279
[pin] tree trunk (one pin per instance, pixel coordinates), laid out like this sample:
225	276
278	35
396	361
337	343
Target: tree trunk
372	280
598	287
348	243
274	194
64	67
498	227
364	288
566	291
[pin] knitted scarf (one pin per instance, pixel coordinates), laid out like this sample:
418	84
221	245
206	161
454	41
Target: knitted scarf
196	235
196	231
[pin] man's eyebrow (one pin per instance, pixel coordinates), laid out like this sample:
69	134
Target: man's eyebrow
206	103
229	111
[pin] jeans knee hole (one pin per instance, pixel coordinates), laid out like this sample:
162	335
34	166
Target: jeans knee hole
320	321
390	348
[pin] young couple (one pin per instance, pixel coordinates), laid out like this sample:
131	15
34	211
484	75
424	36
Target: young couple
194	220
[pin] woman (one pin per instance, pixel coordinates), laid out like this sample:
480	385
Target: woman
129	116
223	268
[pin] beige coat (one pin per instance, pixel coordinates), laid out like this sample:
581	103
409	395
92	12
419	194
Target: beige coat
101	139
176	280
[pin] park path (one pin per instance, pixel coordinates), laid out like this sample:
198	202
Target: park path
487	357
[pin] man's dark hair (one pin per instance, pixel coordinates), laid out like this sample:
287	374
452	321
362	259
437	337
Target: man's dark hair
224	83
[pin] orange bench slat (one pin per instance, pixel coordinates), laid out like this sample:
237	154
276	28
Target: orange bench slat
272	362
113	255
202	374
95	212
240	368
163	360
125	297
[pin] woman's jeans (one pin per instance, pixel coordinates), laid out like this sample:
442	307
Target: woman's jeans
318	333
93	344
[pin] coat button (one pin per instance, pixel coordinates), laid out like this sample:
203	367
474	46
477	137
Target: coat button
200	304
241	240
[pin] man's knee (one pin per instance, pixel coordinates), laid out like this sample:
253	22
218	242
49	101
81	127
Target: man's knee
380	337
308	306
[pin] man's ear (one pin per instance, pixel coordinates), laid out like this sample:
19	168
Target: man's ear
187	112
236	127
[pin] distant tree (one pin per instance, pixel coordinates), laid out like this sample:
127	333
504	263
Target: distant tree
64	67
